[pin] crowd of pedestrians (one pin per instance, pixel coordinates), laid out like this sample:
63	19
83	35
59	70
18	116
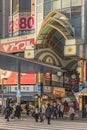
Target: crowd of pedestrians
53	111
44	111
12	111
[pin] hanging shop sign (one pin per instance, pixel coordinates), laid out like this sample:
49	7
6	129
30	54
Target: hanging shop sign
47	89
74	47
60	92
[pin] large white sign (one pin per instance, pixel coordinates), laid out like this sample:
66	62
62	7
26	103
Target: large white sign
21	23
24	88
16	44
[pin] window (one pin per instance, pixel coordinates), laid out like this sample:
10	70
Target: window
76	3
67	12
56	4
47	7
25	5
65	3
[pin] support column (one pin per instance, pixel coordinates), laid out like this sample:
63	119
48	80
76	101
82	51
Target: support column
81	71
81	81
40	85
18	83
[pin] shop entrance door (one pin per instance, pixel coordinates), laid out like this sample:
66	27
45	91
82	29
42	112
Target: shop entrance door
84	102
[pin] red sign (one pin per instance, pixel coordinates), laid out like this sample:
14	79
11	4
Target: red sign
24	78
15	45
70	81
47	76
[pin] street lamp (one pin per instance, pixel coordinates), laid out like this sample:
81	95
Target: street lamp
3	93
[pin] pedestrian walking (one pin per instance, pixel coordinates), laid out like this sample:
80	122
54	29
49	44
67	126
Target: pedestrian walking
42	112
61	110
71	113
48	114
37	113
8	111
18	111
27	108
13	111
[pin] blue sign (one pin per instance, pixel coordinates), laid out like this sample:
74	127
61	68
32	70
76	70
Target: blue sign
39	88
81	87
18	91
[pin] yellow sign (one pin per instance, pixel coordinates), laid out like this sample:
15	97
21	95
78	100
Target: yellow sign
59	91
69	50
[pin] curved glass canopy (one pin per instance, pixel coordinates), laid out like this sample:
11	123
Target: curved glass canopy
55	29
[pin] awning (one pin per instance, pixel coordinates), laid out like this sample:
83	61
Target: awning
13	95
83	92
11	62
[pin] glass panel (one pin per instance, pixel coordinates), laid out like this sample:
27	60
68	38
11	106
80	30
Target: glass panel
56	4
76	22
65	3
78	33
47	0
67	12
76	2
24	5
47	7
75	11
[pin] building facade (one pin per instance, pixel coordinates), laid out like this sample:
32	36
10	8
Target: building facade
51	22
26	17
4	13
75	11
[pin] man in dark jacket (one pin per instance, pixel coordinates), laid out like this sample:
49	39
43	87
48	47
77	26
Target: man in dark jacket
48	113
8	111
18	111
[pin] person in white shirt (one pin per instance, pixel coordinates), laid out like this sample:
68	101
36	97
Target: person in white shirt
61	109
71	112
42	110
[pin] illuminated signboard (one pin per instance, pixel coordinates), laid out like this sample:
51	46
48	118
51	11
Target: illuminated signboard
12	78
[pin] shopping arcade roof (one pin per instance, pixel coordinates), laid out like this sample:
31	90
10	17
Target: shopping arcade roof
10	62
56	28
